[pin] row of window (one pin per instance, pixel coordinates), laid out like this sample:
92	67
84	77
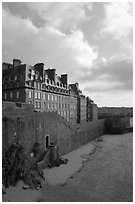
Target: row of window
11	85
12	78
47	96
11	95
62	113
52	105
38	104
38	85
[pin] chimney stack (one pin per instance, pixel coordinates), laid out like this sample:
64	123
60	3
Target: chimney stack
16	62
64	79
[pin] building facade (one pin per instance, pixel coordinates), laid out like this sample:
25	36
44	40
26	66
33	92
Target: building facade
40	87
45	90
81	103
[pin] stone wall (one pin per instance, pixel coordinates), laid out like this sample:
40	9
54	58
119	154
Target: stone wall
28	127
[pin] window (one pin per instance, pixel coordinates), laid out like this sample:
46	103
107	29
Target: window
48	97
39	95
38	86
51	97
17	94
36	95
39	105
44	104
44	96
5	95
36	104
30	83
30	95
11	95
59	105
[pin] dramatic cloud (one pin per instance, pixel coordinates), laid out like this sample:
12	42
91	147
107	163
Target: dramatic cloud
114	75
68	52
63	16
91	42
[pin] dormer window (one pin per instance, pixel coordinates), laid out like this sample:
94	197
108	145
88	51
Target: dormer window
29	75
30	83
17	77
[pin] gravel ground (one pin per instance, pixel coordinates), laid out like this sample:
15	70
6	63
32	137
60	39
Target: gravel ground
105	174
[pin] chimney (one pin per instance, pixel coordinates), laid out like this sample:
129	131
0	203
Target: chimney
77	85
16	62
64	79
51	74
40	68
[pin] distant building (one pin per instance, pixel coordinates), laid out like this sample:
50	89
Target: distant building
87	110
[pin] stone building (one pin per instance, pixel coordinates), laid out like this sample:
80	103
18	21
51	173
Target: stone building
40	87
46	91
91	110
81	103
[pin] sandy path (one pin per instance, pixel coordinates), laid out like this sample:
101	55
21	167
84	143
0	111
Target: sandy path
107	176
58	175
104	176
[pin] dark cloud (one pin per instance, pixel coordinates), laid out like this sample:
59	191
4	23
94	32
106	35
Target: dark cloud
23	10
119	72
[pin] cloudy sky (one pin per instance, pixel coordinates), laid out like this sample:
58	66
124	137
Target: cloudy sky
92	42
